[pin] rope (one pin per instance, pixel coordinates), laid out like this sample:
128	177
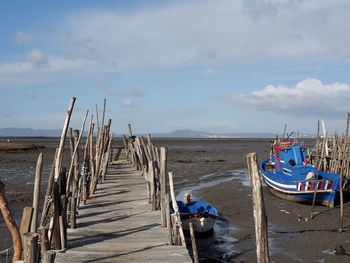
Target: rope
6	251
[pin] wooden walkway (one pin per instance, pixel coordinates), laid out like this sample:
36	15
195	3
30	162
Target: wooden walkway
117	225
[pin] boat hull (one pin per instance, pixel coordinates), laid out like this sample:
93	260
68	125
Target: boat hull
302	192
200	225
321	198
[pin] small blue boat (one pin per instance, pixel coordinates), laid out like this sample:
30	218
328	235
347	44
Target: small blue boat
289	176
202	214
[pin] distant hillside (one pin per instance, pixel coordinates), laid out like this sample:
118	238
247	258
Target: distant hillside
28	132
200	134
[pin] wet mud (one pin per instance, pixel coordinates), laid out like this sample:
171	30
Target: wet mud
213	170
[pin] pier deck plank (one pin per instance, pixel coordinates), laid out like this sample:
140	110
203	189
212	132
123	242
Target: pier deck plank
117	225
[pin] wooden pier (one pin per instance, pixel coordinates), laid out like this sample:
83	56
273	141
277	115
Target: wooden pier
118	224
112	207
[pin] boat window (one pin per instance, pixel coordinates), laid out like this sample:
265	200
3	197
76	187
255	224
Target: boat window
291	162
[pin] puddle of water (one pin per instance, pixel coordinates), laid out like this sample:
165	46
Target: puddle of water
329	251
213	179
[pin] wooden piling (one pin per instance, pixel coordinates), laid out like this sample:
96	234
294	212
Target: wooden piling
163	185
36	193
63	140
49	257
260	220
11	225
30	247
176	209
103	113
76	148
194	246
44	241
49	187
152	185
26	220
55	237
168	220
130	130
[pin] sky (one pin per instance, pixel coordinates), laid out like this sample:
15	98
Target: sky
210	65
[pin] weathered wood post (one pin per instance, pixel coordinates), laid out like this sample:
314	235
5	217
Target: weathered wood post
262	250
26	220
152	185
75	182
75	143
49	257
48	192
36	193
106	159
344	171
11	225
168	220
30	247
194	246
63	140
44	241
163	185
103	113
176	209
130	130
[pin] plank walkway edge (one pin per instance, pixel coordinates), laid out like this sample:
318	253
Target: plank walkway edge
117	225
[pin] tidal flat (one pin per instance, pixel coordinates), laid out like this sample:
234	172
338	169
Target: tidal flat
214	170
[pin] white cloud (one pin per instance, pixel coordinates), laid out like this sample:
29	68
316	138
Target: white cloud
37	58
132	92
210	72
128	103
128	92
22	38
190	32
30	94
309	97
183	33
109	92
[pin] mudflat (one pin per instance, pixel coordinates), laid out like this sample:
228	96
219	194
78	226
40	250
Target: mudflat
214	170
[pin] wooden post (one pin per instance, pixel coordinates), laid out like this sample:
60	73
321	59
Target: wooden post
36	193
262	250
48	192
194	246
106	158
30	245
49	257
76	148
55	237
44	241
63	140
176	209
130	130
11	225
152	185
26	220
91	156
168	220
163	172
342	173
103	113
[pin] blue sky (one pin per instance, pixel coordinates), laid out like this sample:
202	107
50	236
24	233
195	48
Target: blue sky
218	66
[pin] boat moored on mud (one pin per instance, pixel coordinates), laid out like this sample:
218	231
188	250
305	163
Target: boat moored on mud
202	214
289	176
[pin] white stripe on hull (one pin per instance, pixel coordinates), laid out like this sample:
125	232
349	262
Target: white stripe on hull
269	182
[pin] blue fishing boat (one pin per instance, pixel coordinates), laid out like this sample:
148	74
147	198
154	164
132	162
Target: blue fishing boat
289	176
202	214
